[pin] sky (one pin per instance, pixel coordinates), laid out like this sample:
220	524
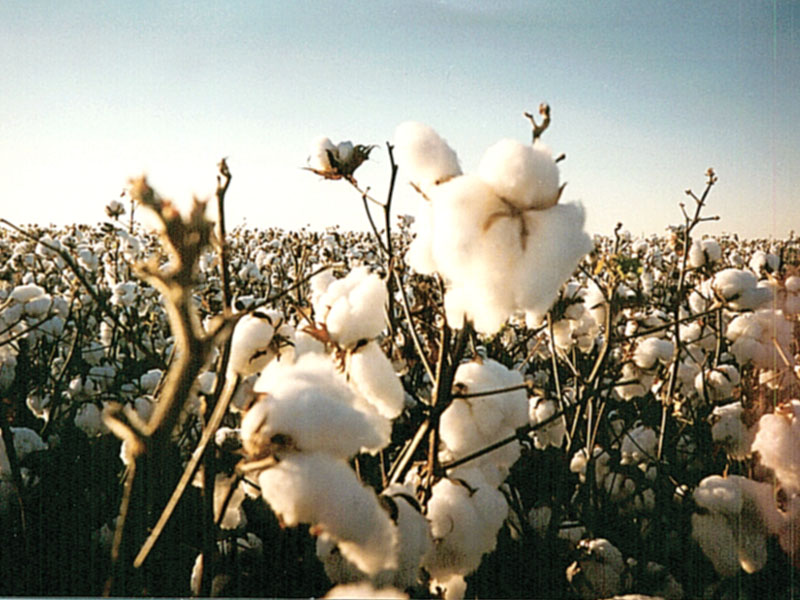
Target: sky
644	96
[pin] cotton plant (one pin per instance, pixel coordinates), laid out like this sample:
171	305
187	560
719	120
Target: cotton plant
498	237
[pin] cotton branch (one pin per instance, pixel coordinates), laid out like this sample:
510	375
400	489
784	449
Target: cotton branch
538	130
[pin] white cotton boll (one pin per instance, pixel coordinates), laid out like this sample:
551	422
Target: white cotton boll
324	492
149	380
372	375
527	176
638	383
554	432
554	249
562	335
704	252
38	307
344	150
650	350
733	525
465	517
251	343
763	262
598	573
89	420
364	591
738	289
39	405
718	382
755	336
777	442
26	441
729	431
306	344
638	445
424	155
353	308
26	293
318	154
311	404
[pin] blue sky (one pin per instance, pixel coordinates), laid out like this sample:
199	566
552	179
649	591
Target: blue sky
645	96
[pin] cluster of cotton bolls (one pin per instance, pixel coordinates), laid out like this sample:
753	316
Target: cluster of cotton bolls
498	237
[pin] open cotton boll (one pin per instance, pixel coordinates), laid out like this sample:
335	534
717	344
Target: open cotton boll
424	156
414	541
324	492
718	383
89	420
252	345
762	262
420	252
556	246
364	591
318	154
638	445
465	517
755	336
26	293
739	289
732	528
26	441
704	252
598	572
353	308
729	431
311	405
651	350
526	176
372	375
777	442
554	432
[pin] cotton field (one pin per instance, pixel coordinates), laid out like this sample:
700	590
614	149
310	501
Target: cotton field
476	400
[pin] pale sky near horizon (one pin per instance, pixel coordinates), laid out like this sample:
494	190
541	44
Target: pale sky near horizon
645	96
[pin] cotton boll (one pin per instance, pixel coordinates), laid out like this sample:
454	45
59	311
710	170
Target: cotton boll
372	375
598	573
26	293
738	289
364	590
703	252
344	151
755	336
778	443
763	262
650	350
26	441
353	308
638	445
426	157
732	527
554	432
465	517
718	383
252	341
318	154
556	245
324	492
39	306
149	380
527	176
88	419
729	431
312	405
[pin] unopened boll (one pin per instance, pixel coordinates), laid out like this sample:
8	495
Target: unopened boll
324	492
